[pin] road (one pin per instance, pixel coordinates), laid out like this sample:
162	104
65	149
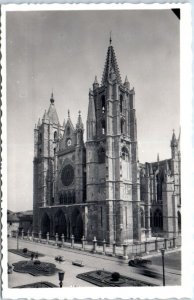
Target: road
91	262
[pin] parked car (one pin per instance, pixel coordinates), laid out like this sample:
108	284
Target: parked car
138	262
59	258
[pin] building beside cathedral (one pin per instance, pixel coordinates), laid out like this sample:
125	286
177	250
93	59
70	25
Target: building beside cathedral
98	187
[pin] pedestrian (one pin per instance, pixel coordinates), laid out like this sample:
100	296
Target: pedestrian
32	255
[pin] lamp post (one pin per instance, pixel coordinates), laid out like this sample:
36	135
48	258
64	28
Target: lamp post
17	239
61	277
162	252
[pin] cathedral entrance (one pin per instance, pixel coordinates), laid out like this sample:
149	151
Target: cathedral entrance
45	225
77	225
60	225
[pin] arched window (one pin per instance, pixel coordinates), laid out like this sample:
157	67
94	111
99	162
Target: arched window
55	135
103	126
179	221
142	217
121	103
101	155
158	219
103	103
122	126
125	154
68	130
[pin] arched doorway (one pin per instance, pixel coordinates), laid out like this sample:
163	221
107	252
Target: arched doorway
60	225
77	225
179	221
45	225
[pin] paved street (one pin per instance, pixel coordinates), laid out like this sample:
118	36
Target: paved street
91	262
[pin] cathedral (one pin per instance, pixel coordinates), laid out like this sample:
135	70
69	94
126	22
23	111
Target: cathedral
98	188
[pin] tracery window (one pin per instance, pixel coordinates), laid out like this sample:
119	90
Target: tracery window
125	154
103	103
103	126
121	103
158	219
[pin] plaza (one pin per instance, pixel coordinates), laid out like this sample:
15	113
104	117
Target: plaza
91	262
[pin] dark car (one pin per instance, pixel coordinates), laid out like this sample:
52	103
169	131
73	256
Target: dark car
59	258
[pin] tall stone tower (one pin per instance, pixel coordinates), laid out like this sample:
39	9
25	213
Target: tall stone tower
46	136
111	158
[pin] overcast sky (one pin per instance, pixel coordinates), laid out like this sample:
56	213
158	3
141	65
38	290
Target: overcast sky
64	51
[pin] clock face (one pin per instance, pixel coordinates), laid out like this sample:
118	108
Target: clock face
67	175
69	142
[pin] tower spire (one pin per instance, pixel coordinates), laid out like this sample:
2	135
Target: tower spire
110	38
111	69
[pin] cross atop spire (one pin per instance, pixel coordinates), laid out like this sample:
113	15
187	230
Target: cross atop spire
110	37
52	98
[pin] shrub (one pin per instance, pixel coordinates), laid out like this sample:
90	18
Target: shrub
25	250
37	262
115	276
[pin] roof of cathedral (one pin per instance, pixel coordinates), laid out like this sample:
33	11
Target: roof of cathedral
52	113
111	67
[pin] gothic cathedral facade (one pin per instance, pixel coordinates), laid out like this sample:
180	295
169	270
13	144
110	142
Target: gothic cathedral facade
98	188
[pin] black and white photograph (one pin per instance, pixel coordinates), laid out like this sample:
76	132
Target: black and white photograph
94	127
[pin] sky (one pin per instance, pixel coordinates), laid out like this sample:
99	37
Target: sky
62	51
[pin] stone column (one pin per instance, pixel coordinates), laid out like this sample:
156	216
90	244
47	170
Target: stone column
28	234
125	256
156	245
94	244
114	247
83	242
56	238
22	233
39	235
62	239
32	235
146	247
166	244
104	246
174	242
47	237
72	241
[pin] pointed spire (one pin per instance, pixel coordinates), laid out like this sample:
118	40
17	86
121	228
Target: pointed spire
174	140
68	114
52	98
79	124
158	158
91	108
95	84
52	116
111	69
39	122
64	123
126	83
